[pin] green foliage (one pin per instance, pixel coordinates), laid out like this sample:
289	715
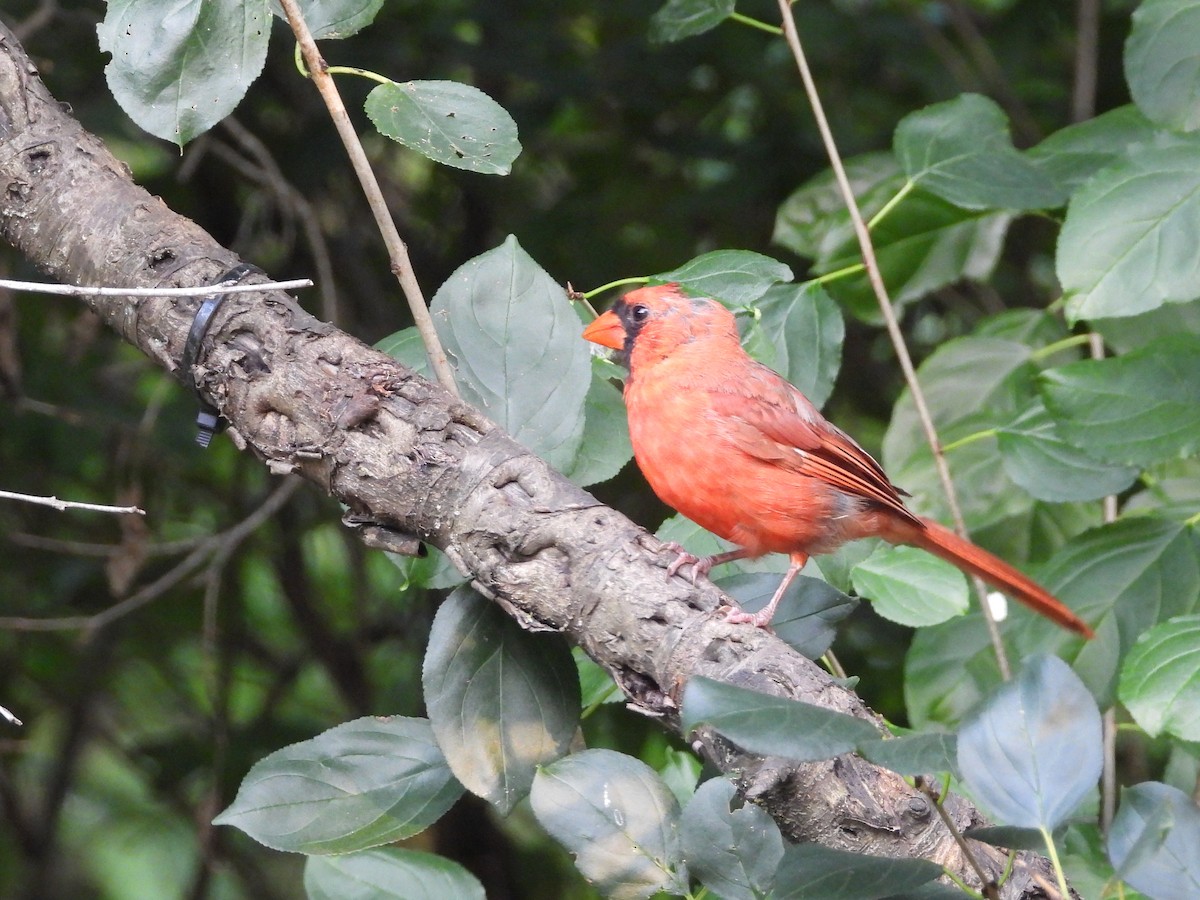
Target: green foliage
646	160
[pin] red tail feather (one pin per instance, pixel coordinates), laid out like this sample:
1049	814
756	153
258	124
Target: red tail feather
944	543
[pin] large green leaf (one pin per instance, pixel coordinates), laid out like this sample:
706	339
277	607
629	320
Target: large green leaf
1162	62
1131	332
813	220
617	817
178	70
772	726
924	244
358	785
736	277
961	151
388	873
1122	578
1136	409
914	754
811	871
1034	750
733	849
1128	244
803	327
515	341
1074	154
948	670
1153	842
1160	679
501	700
454	124
911	587
333	19
604	448
1037	459
679	19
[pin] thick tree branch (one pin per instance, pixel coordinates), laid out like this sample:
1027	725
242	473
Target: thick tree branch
401	452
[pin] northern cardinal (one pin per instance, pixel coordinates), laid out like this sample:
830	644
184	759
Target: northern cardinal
741	452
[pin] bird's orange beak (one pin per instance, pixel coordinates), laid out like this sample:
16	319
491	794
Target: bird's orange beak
607	331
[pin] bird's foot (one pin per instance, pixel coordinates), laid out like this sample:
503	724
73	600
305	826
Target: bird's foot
735	615
700	564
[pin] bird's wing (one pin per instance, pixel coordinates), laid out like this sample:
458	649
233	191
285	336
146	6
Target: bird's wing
771	420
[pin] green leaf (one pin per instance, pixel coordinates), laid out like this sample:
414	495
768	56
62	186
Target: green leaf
679	19
911	587
1160	679
961	151
618	819
813	220
406	347
1153	842
1128	242
1033	751
1131	332
1009	837
811	870
1074	154
1038	460
389	873
515	342
501	700
732	845
180	70
596	686
914	754
922	245
1162	62
358	785
604	449
947	671
454	124
772	726
807	616
805	328
1135	409
1122	578
333	19
735	277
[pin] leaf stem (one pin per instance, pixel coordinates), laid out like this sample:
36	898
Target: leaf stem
755	23
401	264
840	273
1052	852
1074	340
353	70
620	282
970	439
891	204
889	315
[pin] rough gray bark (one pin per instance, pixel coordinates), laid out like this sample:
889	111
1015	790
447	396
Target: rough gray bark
401	453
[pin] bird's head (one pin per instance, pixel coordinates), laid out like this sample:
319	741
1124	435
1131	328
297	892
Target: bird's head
651	323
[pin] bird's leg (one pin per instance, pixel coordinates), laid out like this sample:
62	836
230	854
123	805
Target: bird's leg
700	564
762	618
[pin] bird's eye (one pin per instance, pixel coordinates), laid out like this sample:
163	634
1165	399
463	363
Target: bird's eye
640	313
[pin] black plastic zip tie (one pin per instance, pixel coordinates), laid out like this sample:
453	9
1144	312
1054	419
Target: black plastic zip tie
208	422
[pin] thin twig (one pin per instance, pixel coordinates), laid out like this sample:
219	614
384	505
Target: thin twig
185	567
889	316
63	505
1087	53
988	886
9	717
78	290
397	250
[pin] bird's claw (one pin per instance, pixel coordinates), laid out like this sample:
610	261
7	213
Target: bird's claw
735	615
700	564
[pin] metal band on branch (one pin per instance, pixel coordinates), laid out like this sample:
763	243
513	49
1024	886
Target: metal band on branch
208	420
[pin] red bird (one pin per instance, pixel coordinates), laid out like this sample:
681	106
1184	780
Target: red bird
741	452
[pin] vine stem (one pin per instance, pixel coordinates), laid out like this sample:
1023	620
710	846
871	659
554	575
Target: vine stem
889	315
401	265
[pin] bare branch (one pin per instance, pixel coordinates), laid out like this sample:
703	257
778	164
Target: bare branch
63	505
